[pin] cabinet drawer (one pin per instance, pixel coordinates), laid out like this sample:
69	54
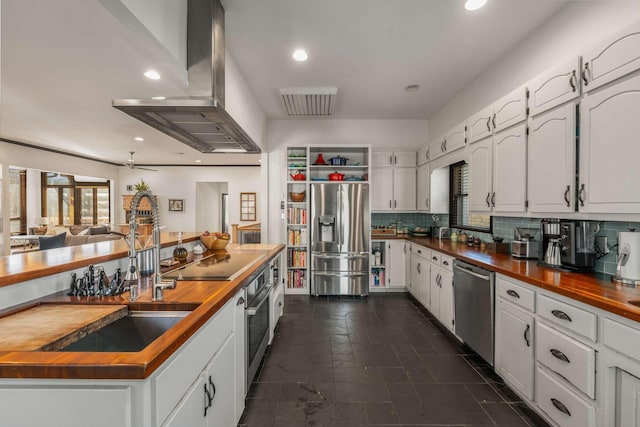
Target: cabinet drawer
514	293
561	404
568	316
422	252
435	257
573	360
621	338
446	262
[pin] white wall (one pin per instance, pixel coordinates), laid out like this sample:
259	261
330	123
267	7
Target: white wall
209	205
578	25
180	183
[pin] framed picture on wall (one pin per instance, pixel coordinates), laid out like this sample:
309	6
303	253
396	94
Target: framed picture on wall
176	205
247	206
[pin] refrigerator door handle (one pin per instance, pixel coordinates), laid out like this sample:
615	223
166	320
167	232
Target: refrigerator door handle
339	274
341	224
341	256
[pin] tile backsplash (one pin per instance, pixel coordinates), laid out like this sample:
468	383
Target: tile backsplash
503	227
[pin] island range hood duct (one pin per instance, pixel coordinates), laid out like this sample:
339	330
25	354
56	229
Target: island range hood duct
200	119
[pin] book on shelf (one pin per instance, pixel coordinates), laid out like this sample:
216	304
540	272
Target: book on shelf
296	215
297	257
297	237
296	279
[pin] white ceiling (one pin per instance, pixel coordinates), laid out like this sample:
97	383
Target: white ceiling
64	61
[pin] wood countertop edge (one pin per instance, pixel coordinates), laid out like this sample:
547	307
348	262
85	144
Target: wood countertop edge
134	365
578	286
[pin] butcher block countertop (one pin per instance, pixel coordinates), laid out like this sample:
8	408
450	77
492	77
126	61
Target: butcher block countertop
205	298
594	289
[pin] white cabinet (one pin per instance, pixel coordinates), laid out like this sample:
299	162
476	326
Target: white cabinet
439	190
554	87
509	110
393	158
240	381
420	276
627	400
497	172
514	346
551	164
381	189
423	155
407	264
611	59
479	125
423	187
395	264
452	140
441	302
610	148
393	189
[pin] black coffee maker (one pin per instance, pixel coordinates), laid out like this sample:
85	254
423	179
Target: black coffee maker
578	240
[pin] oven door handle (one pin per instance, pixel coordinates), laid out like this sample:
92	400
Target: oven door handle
251	311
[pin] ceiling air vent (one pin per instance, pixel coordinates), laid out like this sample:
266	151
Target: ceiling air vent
313	101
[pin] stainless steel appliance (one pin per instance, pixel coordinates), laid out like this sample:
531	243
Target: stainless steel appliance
551	243
473	290
524	244
578	240
257	321
628	267
340	224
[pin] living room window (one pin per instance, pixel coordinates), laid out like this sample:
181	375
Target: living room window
459	216
18	200
67	200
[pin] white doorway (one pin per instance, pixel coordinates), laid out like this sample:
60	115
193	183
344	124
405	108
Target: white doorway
210	214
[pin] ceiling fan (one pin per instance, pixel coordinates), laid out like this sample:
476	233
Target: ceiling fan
131	165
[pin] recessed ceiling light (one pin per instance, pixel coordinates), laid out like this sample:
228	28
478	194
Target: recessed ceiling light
412	88
474	4
158	97
139	138
152	74
300	55
198	161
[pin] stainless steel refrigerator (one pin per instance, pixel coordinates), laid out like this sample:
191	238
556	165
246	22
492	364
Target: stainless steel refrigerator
340	224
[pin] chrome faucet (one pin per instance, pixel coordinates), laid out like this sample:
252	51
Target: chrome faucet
159	285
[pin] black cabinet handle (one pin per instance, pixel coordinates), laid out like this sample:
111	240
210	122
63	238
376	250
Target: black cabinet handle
561	315
435	258
493	120
487	200
280	304
559	355
213	388
525	335
418	268
489	123
581	194
585	71
513	293
207	402
573	81
445	262
442	147
493	199
566	196
560	406
445	145
240	301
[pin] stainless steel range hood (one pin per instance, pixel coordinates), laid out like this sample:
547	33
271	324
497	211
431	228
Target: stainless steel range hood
200	119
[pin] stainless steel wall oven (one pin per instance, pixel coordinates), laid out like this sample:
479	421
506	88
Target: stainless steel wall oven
256	314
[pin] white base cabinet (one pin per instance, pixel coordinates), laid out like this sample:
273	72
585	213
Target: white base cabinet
395	264
420	275
628	400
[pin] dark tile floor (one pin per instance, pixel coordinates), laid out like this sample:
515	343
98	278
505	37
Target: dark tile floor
376	361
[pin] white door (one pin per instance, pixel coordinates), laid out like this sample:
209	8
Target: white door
404	158
423	155
610	149
510	170
615	57
479	125
551	161
382	158
510	109
415	276
407	265
439	189
446	299
436	149
220	380
554	87
404	189
423	189
514	359
423	282
455	138
381	189
395	264
434	289
480	175
627	400
191	409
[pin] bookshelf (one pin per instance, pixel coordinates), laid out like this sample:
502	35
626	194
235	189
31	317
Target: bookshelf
297	221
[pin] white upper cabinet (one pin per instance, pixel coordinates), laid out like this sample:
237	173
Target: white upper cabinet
382	158
510	170
423	155
554	87
393	158
615	57
453	140
610	149
479	125
510	109
423	187
480	175
381	189
551	161
404	189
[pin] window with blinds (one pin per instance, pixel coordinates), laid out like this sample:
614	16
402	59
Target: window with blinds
459	216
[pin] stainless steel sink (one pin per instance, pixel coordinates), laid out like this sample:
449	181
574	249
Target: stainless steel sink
129	334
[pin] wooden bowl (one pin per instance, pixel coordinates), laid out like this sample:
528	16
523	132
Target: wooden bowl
213	243
298	197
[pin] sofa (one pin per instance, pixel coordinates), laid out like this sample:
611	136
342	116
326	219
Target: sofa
57	237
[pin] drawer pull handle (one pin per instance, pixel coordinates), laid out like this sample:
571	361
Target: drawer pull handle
561	315
435	258
513	293
560	406
559	355
526	335
445	263
240	301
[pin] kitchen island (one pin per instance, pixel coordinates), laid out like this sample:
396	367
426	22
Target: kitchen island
154	386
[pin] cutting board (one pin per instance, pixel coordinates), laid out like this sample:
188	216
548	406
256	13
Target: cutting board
49	327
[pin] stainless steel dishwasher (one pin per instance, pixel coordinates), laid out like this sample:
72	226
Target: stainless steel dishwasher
473	289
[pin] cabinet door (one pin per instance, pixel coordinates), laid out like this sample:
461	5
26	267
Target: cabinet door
510	109
439	189
455	138
395	264
423	190
381	189
220	380
551	164
436	149
415	268
407	265
404	158
382	158
479	125
514	347
510	170
423	155
424	282
627	400
190	411
239	332
404	189
610	149
434	290
554	87
480	176
446	299
611	59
